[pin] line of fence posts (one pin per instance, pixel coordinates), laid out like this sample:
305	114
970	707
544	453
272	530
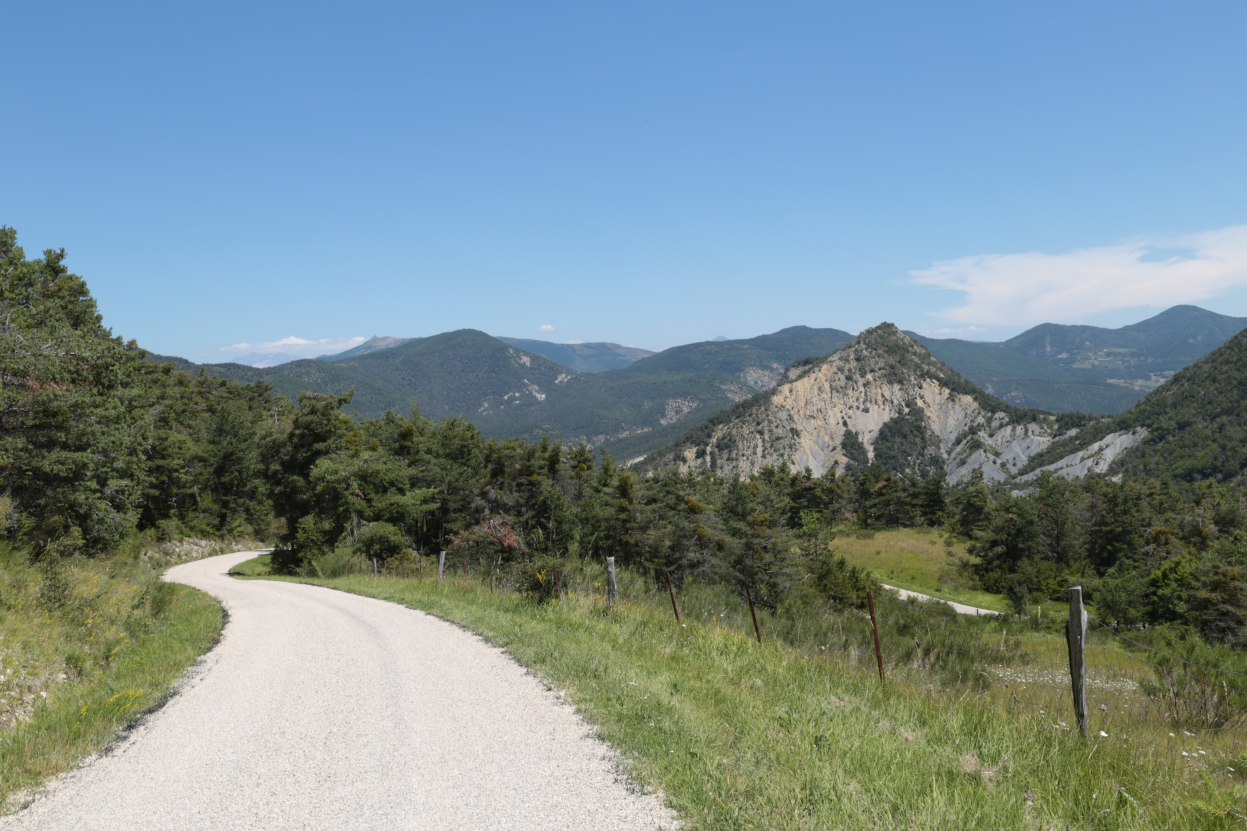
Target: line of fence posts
1076	627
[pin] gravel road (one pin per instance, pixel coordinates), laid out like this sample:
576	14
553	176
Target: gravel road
959	608
321	709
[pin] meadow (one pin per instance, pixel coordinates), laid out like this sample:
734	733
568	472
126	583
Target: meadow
798	731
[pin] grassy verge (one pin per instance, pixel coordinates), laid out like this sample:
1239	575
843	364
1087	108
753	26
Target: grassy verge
86	647
739	735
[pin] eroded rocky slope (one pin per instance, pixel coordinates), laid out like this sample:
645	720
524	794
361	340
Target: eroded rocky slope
884	398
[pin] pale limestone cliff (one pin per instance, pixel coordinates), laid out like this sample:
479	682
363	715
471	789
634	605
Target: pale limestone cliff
883	383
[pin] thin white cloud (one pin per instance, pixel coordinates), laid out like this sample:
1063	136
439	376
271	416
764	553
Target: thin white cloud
1025	289
288	349
545	328
959	332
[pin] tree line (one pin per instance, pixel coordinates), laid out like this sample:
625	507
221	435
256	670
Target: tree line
98	446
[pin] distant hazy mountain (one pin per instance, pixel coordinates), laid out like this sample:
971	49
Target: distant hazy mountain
509	391
582	357
1088	368
375	343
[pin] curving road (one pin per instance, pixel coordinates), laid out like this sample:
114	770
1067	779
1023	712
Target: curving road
321	709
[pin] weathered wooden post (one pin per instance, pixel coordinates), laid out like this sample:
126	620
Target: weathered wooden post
870	601
374	567
441	565
752	613
671	589
610	581
491	576
1076	635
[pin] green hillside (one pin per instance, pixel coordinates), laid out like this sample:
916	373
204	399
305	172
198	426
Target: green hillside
508	391
582	357
377	343
1088	368
765	353
1195	421
1197	425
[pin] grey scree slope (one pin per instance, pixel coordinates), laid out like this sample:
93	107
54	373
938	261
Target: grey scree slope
321	709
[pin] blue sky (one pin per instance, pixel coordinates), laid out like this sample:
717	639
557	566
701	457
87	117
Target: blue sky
227	176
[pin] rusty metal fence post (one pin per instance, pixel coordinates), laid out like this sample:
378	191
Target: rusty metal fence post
671	589
752	613
870	601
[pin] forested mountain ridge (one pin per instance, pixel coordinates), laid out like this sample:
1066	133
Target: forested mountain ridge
1059	367
630	411
1191	428
882	398
376	343
582	357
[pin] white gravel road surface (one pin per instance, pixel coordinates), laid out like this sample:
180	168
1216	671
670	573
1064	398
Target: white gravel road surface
321	709
959	608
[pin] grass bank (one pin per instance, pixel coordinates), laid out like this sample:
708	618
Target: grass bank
86	647
738	735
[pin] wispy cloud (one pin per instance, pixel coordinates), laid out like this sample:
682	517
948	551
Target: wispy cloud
545	328
958	332
270	353
1024	289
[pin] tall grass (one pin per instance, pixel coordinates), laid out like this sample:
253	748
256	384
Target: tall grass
800	734
86	647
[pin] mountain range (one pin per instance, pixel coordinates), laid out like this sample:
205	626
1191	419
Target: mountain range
632	402
1088	368
887	399
883	398
509	391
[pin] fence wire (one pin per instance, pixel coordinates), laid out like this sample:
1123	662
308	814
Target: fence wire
1159	702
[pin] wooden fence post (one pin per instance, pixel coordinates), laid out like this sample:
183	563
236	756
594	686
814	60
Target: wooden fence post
671	589
441	565
558	590
374	567
752	613
491	576
610	581
870	601
1076	635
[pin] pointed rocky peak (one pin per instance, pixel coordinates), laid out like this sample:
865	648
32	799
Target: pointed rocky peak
884	354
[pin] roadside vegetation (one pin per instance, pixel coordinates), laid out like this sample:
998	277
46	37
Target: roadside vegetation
101	449
86	647
794	733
